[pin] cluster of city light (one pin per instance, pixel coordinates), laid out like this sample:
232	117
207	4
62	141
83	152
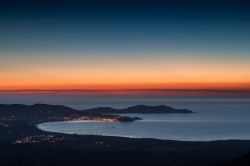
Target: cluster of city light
33	139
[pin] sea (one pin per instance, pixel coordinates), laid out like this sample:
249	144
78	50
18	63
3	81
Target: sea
215	118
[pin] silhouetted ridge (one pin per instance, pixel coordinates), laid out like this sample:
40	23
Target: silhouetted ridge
138	109
154	109
100	110
44	109
32	107
36	109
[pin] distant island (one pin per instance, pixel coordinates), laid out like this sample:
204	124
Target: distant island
45	112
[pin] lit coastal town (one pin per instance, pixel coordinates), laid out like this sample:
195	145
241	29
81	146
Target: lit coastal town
6	122
29	118
36	139
107	118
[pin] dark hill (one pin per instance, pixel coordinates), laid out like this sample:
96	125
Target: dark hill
154	109
241	161
142	109
100	110
36	109
45	109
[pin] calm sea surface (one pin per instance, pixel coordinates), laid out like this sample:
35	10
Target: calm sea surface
213	120
219	116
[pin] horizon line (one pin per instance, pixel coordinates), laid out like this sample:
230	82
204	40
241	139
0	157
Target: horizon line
135	89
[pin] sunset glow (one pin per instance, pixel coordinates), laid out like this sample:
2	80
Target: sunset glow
125	73
194	52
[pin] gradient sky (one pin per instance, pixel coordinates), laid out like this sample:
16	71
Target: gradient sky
124	44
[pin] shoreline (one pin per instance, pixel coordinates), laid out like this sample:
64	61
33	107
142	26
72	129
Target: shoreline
127	136
22	143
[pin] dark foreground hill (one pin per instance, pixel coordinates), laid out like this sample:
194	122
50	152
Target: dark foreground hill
241	161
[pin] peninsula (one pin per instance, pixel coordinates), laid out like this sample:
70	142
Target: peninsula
38	113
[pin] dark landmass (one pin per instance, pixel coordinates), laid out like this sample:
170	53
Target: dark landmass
45	109
40	110
44	112
59	112
242	161
21	143
142	109
128	119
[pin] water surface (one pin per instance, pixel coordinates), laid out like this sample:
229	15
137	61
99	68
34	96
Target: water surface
212	121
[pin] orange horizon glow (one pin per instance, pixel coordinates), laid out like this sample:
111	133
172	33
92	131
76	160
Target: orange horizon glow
114	73
166	86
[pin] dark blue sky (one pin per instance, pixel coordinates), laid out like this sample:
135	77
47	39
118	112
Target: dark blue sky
125	10
132	23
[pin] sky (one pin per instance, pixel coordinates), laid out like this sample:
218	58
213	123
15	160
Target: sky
53	45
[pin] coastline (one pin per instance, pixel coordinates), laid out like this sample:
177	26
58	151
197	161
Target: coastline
43	127
21	138
158	151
